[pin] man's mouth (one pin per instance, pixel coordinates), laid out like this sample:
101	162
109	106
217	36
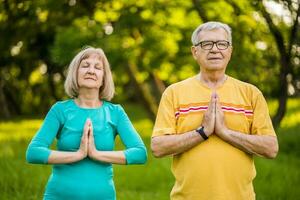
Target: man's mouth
214	58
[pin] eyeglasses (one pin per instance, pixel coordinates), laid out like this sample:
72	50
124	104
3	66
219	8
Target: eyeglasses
208	45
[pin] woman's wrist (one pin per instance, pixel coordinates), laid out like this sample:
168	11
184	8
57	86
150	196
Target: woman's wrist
93	154
80	155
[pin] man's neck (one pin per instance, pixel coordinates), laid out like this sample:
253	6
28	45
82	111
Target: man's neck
213	79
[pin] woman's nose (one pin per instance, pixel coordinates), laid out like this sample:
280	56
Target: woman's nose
91	69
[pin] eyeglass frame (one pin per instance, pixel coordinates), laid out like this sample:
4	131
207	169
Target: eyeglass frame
213	42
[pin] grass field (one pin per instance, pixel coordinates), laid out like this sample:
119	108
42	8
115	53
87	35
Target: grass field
276	179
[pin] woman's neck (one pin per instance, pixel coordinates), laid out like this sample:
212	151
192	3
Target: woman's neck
88	99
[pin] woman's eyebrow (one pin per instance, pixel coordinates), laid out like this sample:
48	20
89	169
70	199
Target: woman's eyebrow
85	62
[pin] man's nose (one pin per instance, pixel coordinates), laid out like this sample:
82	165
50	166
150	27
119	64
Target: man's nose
214	47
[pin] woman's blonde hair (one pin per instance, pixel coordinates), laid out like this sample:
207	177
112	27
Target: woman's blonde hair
106	91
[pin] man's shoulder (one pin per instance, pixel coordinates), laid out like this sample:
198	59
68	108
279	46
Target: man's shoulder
242	85
184	84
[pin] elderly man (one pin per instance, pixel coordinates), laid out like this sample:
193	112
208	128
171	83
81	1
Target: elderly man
213	125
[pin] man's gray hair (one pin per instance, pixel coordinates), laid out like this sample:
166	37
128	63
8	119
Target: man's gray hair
210	26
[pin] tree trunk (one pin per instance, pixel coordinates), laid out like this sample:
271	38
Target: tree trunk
285	60
201	12
52	87
4	112
158	85
144	92
282	99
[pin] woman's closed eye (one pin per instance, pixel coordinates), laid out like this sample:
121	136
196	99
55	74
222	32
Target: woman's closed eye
85	65
99	67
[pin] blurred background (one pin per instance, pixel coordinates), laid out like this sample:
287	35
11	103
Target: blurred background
147	43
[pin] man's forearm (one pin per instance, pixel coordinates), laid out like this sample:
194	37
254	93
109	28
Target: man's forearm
261	145
174	144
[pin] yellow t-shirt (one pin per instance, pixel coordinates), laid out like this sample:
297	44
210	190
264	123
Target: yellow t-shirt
214	169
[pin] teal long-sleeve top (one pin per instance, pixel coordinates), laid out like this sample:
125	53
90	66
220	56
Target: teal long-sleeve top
85	179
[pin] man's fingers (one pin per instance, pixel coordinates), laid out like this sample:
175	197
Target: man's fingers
218	106
213	100
217	101
219	112
211	103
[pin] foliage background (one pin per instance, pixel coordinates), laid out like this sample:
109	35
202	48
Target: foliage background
148	44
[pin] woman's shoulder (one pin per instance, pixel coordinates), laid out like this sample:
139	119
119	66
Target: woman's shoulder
112	106
62	105
114	111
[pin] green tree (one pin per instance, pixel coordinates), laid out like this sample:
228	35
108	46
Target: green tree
252	24
147	43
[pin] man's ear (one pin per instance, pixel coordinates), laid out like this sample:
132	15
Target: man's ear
194	52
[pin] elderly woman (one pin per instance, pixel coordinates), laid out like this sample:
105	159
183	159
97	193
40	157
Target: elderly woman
85	127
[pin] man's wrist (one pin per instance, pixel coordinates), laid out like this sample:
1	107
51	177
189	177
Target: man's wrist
225	134
201	132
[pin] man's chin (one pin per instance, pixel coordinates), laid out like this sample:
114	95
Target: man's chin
215	67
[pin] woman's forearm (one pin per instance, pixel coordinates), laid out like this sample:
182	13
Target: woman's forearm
63	157
113	157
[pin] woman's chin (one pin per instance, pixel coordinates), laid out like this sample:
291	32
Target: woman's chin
90	86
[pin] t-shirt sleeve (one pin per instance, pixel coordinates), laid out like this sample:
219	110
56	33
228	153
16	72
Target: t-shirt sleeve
135	152
262	124
38	150
165	123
